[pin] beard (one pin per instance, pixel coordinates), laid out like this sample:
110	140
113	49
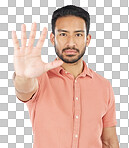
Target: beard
74	58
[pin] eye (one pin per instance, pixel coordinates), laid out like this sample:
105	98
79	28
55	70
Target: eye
62	34
79	34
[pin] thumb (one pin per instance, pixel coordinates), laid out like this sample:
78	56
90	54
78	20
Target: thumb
54	64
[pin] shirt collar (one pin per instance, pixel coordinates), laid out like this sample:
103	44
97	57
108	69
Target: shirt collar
86	70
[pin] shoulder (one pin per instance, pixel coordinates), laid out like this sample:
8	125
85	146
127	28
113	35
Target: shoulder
99	79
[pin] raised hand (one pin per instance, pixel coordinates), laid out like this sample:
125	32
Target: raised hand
27	59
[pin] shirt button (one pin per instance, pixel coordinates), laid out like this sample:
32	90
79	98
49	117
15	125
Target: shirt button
66	72
76	98
75	81
76	135
77	117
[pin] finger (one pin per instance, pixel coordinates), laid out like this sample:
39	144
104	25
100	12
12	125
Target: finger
53	64
15	40
32	35
23	36
42	38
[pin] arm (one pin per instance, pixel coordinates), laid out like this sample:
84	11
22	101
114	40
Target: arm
28	63
24	88
110	145
109	138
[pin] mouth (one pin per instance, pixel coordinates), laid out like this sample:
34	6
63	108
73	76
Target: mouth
70	51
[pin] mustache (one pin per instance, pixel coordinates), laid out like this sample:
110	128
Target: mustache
70	48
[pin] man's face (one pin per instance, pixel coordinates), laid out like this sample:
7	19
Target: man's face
70	33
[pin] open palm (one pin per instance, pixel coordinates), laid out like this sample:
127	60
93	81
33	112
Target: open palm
27	59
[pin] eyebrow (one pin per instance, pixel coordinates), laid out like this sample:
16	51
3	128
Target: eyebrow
61	30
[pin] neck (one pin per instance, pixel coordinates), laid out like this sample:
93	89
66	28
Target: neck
74	68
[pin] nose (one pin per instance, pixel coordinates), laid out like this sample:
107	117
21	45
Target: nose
71	42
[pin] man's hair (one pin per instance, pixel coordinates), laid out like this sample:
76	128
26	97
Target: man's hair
68	11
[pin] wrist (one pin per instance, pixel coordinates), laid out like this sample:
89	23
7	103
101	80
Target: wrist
19	77
24	85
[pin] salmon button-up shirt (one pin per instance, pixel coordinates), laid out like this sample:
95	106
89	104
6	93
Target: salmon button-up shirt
68	112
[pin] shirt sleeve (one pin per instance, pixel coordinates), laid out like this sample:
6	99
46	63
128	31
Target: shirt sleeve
109	119
35	95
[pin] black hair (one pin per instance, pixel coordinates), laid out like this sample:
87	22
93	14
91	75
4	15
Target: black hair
68	11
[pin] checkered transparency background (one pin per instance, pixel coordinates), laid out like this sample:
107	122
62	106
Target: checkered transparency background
107	55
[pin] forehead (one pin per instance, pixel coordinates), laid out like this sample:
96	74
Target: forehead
70	22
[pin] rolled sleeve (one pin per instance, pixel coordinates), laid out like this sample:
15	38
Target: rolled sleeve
109	119
35	95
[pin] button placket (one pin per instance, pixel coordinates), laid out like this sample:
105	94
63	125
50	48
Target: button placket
76	114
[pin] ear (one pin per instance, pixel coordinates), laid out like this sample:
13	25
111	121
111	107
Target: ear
52	38
88	39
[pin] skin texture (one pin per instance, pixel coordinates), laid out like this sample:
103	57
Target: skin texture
66	38
27	59
109	137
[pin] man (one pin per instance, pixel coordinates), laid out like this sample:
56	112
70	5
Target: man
70	105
